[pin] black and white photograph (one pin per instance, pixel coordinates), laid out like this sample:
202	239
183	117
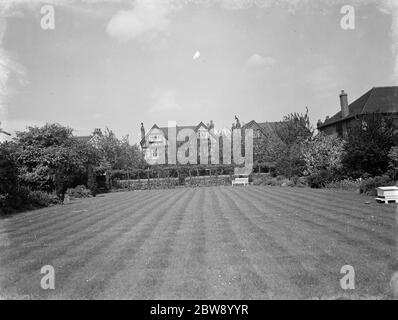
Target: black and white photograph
210	152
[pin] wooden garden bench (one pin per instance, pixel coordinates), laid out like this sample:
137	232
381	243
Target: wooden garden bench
244	181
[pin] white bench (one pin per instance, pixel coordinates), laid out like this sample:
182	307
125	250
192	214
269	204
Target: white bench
244	181
386	194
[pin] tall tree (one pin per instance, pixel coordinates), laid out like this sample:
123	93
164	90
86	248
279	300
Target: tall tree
50	158
322	152
267	149
119	154
8	177
292	131
368	145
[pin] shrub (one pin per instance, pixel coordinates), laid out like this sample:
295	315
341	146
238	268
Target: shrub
368	148
286	183
4	203
322	152
302	182
26	199
42	199
345	184
368	186
260	178
79	192
366	176
319	180
181	179
8	172
292	131
265	179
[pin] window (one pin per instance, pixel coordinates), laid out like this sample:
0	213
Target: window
154	153
203	134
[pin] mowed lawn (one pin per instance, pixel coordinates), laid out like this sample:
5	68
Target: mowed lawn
203	243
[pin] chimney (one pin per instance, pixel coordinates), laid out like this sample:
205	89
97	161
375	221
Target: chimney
344	104
142	131
97	132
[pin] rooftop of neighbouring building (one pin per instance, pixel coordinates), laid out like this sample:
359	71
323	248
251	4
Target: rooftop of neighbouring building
376	100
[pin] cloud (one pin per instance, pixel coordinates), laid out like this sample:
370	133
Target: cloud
145	16
389	7
257	60
165	100
151	17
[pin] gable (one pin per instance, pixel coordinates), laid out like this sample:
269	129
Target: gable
165	130
265	128
154	132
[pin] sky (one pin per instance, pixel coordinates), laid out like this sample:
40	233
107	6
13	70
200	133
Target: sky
115	64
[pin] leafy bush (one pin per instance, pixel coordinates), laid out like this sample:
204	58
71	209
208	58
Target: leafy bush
286	183
345	184
8	171
79	192
181	179
4	203
39	198
258	179
319	180
26	199
267	180
368	148
322	152
292	131
301	182
8	179
368	186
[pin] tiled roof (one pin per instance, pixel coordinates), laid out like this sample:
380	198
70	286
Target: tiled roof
83	138
376	100
269	126
265	127
178	128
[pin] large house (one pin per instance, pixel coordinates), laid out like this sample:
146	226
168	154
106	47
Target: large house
156	139
379	100
93	139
